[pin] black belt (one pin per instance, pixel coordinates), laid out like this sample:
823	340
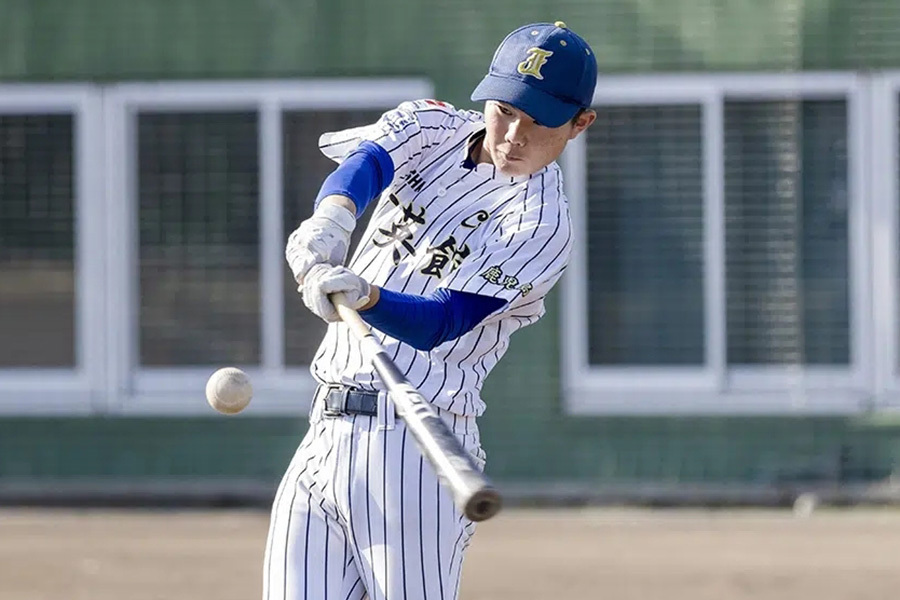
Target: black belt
341	400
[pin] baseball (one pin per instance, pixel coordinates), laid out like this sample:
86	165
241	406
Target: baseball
229	391
805	505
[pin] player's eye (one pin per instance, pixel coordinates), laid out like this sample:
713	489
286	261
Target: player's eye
504	110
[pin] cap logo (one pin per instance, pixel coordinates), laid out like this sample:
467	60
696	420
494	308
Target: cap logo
537	57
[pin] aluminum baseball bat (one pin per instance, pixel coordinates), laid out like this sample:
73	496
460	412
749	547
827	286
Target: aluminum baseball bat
472	491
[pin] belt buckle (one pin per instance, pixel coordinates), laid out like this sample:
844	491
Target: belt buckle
340	410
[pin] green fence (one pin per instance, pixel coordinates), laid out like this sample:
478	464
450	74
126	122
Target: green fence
448	42
528	436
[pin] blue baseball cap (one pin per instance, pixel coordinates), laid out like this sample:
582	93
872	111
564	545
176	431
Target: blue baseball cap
545	70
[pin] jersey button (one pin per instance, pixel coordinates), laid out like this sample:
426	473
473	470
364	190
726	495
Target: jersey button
442	191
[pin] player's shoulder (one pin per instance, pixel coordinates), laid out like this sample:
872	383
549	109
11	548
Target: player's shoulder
431	110
542	193
548	184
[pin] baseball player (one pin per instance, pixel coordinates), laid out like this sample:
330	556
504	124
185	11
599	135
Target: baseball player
469	230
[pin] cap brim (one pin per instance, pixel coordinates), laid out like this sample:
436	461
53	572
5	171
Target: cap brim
547	110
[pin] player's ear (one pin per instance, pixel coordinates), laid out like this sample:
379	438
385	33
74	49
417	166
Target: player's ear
582	121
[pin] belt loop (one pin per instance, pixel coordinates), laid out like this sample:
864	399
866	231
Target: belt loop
385	416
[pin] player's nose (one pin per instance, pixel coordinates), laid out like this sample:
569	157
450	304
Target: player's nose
516	132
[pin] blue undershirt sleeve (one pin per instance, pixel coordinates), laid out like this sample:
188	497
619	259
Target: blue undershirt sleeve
425	322
362	176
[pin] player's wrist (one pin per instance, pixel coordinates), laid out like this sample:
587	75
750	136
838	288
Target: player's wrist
374	295
339	210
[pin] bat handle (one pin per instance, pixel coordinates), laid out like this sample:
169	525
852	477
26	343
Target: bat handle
349	315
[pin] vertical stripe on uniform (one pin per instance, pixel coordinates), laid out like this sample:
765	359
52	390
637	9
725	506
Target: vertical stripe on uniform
440	565
351	531
273	529
402	514
308	440
373	590
453	559
306	552
385	434
287	529
421	532
327	535
290	512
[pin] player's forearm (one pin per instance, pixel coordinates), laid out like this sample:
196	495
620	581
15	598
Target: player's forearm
424	322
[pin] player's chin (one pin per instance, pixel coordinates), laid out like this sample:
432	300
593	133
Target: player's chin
515	168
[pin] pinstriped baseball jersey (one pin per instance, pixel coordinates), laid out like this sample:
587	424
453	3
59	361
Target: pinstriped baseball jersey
445	223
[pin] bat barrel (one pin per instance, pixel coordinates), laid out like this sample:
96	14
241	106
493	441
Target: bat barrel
483	504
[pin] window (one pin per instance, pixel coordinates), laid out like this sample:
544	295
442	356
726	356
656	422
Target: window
724	261
213	178
645	248
198	215
51	250
37	241
787	252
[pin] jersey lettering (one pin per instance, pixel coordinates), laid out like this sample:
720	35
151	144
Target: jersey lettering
400	234
415	181
475	220
443	254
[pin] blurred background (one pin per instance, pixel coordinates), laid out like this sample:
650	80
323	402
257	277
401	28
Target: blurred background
727	332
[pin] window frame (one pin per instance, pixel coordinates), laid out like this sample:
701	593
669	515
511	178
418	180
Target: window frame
76	390
278	389
715	387
884	174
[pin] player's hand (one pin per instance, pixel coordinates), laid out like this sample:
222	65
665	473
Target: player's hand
322	238
322	280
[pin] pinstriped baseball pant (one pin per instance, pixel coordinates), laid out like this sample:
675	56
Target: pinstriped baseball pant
361	514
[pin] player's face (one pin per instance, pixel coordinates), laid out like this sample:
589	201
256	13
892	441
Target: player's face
518	146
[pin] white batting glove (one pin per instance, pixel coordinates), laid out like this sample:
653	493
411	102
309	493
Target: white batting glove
322	238
322	280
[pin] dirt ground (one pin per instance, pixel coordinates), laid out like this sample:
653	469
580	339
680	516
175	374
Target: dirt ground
520	555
